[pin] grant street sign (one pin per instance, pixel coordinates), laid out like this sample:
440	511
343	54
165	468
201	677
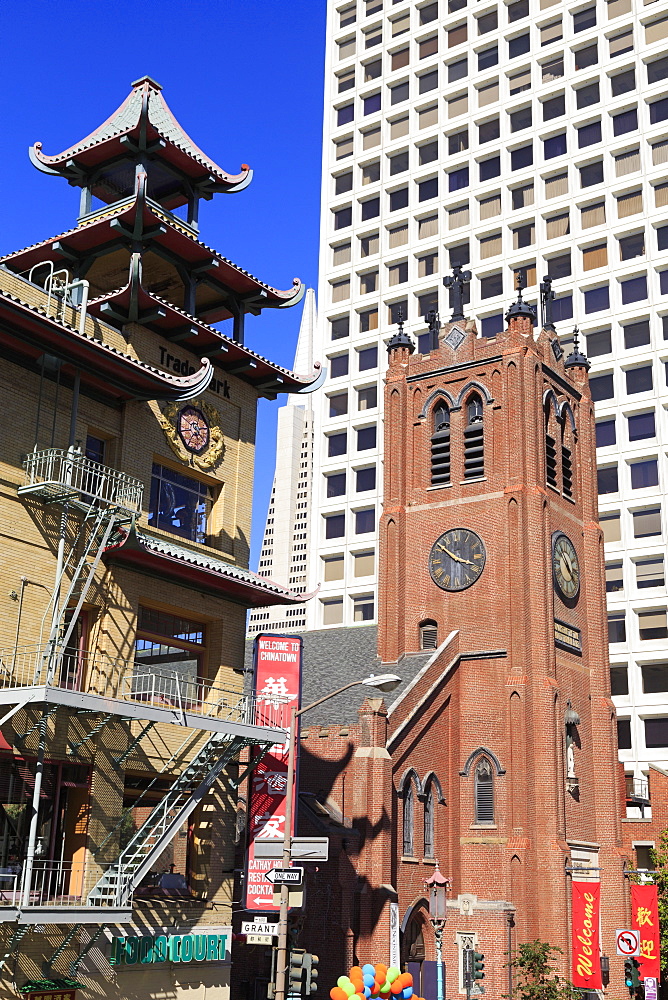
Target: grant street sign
260	927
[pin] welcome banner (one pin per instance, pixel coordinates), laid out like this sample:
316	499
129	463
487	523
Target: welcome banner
586	902
645	907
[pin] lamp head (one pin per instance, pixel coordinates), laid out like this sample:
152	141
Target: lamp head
382	682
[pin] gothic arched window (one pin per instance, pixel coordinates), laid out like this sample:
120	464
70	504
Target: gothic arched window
484	792
429	823
409	819
474	451
428	634
440	445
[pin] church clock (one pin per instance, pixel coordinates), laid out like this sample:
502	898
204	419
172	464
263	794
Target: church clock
457	559
565	566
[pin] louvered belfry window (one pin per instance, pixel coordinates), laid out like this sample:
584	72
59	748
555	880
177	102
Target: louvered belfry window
440	446
428	634
484	792
474	453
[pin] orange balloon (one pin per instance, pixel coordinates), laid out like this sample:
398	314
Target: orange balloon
338	994
397	986
355	972
380	968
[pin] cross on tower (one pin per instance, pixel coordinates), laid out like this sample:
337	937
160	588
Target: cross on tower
455	282
546	300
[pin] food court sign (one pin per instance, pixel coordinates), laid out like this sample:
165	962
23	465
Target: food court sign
158	948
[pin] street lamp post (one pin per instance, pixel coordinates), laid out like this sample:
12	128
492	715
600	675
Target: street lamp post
438	887
382	682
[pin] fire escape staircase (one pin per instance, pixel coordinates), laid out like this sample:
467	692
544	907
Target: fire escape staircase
116	886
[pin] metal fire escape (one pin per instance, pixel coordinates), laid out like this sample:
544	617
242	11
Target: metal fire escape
103	500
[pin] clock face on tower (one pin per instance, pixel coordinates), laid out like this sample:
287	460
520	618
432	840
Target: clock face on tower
565	566
457	559
193	429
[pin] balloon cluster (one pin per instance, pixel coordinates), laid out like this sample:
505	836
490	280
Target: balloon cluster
374	981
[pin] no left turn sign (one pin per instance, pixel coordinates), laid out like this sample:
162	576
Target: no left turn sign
628	943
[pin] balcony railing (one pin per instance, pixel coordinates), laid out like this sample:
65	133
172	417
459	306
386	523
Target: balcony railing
56	474
130	682
54	884
637	789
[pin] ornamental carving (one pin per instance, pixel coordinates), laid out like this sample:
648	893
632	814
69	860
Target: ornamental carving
193	433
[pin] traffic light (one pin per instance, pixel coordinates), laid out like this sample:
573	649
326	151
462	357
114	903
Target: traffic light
631	974
478	965
296	970
311	970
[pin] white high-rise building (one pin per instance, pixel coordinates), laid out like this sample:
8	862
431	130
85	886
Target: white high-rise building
532	137
285	544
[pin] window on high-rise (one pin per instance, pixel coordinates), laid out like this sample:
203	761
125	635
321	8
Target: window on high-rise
586	57
589	135
636	334
428	152
588	95
338	365
368	320
650	572
343	217
335	525
520	158
489	131
336	484
554	107
617	626
337	444
338	404
518	46
621	42
611	527
623	83
594	257
647	523
346	80
367	398
490	168
584	19
601	387
368	282
591	173
614	578
596	299
552	32
374	69
553	69
332	611
644	474
428	47
625	121
518	10
652	625
517	83
333	568
599	343
555	145
399	92
179	504
428	13
487	22
488	57
365	521
608	480
399	163
619	680
345	114
634	289
521	119
559	267
398	199
605	433
632	246
364	564
491	285
363	608
365	479
367	358
458	142
655	678
624	734
343	183
366	438
657	70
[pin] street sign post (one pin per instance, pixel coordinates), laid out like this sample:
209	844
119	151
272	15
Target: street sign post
628	943
259	926
285	876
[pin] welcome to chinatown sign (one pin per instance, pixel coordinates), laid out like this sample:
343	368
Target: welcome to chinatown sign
155	949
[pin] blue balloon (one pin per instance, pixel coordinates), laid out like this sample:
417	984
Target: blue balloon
368	969
407	992
368	979
367	991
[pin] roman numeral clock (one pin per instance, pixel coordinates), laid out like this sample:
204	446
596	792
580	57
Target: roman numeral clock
457	559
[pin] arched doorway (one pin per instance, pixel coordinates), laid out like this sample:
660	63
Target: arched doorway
416	942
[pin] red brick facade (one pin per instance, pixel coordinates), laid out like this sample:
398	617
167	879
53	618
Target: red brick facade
494	697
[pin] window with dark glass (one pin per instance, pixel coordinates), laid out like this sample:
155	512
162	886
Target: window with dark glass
336	484
428	189
458	179
562	308
338	365
521	158
599	343
399	163
491	325
623	83
626	121
372	70
559	267
491	285
619	680
365	521
608	480
596	299
614	577
617	626
591	173
624	734
589	134
554	146
654	678
584	19
365	479
366	438
641	426
632	246
634	289
658	111
555	107
338	404
428	81
343	183
518	10
639	379
489	131
370	209
605	433
428	153
428	13
345	114
367	358
490	168
399	93
398	199
636	334
644	474
458	70
337	444
458	142
335	525
586	96
586	57
179	503
408	824
488	57
518	46
343	217
520	119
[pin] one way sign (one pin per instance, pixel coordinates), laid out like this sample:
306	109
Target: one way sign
285	876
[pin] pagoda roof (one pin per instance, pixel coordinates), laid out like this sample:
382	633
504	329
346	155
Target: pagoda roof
199	569
27	332
138	218
143	122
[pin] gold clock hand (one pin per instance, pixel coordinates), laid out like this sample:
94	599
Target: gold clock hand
455	557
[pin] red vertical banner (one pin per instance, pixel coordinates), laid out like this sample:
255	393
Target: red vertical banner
645	907
277	687
586	956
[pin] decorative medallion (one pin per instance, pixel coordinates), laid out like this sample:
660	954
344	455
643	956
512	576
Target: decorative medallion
193	433
457	559
454	338
193	428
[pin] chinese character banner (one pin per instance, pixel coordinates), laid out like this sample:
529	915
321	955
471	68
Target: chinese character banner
645	907
278	661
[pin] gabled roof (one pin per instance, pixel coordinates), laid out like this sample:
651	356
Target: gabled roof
199	569
143	121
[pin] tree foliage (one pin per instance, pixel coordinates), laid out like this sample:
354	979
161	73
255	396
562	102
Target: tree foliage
659	858
535	976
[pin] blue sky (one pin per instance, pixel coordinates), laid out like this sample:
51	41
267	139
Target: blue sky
244	78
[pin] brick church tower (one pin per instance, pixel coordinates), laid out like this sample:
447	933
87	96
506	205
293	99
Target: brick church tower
492	554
